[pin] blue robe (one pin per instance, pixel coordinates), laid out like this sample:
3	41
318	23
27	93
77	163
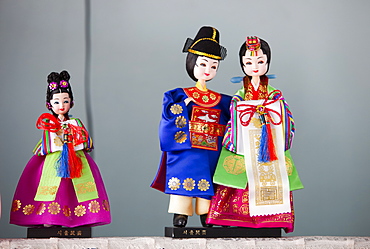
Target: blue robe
190	139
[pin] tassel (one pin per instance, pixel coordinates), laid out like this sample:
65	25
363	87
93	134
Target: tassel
75	163
263	156
267	148
271	146
62	163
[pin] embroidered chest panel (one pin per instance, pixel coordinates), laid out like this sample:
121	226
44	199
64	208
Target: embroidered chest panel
203	98
205	128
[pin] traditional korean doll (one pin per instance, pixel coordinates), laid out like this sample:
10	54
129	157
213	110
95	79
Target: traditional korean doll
191	131
255	172
61	185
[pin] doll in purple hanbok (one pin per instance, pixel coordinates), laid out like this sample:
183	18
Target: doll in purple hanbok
61	185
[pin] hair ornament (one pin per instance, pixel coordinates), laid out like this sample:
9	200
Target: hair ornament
48	105
63	84
253	44
53	85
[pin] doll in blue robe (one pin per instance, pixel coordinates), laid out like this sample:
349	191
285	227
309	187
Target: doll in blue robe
191	131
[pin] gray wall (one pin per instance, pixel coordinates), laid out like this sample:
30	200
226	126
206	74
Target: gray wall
319	54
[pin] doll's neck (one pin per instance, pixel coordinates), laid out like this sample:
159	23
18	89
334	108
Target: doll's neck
61	117
255	82
201	85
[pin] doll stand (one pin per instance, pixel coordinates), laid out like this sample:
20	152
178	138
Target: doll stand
221	232
59	232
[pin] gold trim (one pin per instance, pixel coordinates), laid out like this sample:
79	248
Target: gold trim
202	39
214	33
205	54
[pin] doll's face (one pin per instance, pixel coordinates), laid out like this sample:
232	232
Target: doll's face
255	65
205	68
60	103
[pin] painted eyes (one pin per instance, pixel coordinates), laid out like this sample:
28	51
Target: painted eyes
203	64
213	67
248	63
57	102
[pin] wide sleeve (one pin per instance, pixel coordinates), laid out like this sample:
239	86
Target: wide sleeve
174	132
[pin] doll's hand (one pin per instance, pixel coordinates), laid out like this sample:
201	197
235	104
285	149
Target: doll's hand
187	100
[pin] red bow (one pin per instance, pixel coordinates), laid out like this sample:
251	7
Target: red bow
50	123
247	111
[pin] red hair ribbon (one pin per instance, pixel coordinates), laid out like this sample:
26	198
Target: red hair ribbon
267	148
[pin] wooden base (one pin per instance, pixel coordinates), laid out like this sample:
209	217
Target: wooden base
221	232
59	232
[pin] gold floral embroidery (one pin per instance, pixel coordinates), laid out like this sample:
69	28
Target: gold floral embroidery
180	122
180	137
174	183
203	185
234	164
46	190
289	166
80	210
41	209
16	205
176	109
66	211
54	208
106	206
88	187
196	95
58	141
188	184
205	98
212	96
94	207
256	122
28	209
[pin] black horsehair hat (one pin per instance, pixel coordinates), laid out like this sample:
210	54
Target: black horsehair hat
206	43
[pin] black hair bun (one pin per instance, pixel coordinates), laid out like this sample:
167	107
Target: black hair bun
65	75
53	77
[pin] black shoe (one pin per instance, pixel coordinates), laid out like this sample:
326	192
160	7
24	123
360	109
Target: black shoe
180	220
203	218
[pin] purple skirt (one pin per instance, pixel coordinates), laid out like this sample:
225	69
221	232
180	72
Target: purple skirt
65	210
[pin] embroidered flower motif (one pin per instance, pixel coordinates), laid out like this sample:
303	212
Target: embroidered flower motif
16	205
196	95
256	122
174	183
53	85
106	206
212	96
58	141
180	122
63	84
28	209
188	184
234	164
94	206
54	208
205	98
289	166
203	185
80	210
176	109
66	211
41	209
180	137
